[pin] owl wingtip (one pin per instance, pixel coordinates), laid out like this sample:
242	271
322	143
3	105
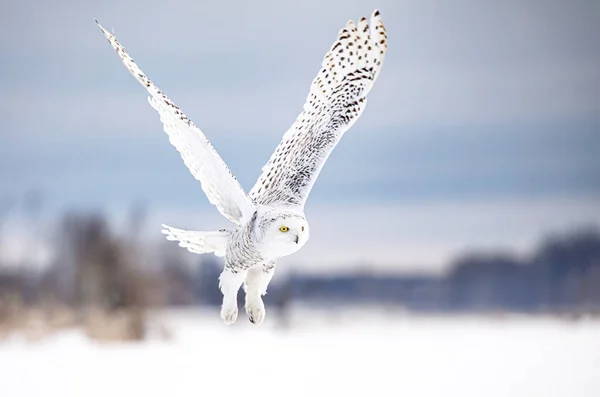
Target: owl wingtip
100	26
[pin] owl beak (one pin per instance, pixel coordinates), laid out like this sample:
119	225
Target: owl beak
297	238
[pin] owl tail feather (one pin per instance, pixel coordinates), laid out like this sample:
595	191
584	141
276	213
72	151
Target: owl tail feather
198	242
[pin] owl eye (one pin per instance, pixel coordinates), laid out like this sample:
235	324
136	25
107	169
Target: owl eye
302	228
284	229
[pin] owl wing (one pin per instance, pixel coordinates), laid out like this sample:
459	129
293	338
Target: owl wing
336	100
219	184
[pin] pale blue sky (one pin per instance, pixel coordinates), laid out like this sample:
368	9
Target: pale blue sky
479	100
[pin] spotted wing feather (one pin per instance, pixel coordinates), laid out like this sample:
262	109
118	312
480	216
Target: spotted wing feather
219	184
336	100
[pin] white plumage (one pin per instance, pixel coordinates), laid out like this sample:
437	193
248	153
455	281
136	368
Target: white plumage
336	99
270	220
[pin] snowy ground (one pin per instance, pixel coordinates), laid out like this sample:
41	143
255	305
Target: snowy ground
351	353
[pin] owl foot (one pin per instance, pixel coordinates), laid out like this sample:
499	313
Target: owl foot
255	309
229	314
229	283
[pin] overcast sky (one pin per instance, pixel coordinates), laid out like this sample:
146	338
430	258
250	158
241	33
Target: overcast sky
478	101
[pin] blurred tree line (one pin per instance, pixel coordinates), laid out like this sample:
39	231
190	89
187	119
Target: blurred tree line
98	279
108	281
562	276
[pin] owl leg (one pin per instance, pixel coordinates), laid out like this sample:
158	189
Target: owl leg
257	281
230	283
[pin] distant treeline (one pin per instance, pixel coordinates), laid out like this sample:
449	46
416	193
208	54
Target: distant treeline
563	275
96	267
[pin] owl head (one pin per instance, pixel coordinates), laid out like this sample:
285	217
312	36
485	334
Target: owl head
280	232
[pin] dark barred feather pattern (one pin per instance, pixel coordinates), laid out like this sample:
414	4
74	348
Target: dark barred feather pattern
336	100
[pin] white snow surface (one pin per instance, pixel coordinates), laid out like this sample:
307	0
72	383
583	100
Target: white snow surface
327	353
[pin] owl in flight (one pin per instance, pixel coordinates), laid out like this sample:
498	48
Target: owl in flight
269	221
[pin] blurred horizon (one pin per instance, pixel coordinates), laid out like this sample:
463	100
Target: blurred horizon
427	236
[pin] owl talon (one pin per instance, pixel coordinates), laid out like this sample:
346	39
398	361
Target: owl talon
256	312
229	316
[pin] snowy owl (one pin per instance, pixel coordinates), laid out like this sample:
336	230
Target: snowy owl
269	221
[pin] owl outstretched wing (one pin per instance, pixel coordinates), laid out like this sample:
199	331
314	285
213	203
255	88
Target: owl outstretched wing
336	100
219	184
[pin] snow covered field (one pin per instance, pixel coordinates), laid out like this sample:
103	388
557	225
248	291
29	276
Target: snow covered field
351	353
